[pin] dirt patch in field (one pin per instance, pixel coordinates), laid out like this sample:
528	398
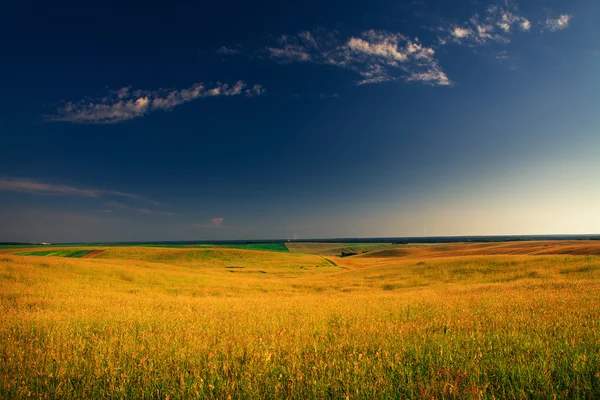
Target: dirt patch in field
93	253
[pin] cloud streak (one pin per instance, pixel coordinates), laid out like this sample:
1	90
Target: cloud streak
124	104
558	24
377	56
495	25
228	51
139	210
215	223
36	187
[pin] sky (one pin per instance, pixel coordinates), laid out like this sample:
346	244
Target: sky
166	121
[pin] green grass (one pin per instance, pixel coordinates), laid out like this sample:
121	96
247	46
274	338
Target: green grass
23	246
169	245
57	253
336	249
165	245
280	247
244	246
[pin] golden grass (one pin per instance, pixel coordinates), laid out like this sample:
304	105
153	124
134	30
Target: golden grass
583	247
181	323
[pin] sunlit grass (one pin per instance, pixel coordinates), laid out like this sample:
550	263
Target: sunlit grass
181	323
58	253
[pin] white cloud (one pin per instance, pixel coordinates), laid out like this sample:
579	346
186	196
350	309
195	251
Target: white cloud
497	25
494	26
289	53
255	90
506	19
228	51
300	48
558	24
502	56
377	56
433	76
381	56
177	97
123	104
461	33
382	46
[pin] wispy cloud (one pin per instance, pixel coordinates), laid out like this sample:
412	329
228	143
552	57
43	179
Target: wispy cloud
329	96
229	51
214	223
124	104
558	24
380	56
33	186
377	56
36	187
495	25
507	20
140	210
304	47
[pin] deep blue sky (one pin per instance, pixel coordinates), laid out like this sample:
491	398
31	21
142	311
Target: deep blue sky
235	120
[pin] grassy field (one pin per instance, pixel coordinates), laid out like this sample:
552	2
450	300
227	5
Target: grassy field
505	320
273	246
257	246
58	253
336	249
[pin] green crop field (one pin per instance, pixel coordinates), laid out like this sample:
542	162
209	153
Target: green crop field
58	253
257	246
337	249
274	246
461	321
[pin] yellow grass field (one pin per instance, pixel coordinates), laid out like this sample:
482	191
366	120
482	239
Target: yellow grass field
488	320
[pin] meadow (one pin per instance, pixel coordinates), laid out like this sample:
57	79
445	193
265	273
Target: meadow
465	321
